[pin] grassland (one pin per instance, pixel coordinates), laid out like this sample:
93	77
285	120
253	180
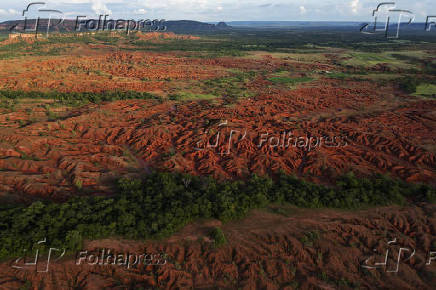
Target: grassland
426	90
366	59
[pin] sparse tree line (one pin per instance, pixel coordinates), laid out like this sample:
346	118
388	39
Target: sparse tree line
77	98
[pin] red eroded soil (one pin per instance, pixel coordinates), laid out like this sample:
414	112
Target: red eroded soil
380	130
307	249
138	71
96	143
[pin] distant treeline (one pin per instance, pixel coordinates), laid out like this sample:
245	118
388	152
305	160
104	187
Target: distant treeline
162	203
75	98
238	40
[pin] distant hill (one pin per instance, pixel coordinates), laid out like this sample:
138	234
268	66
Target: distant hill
290	24
327	25
178	26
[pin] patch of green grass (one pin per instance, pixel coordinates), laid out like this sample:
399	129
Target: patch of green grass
186	96
310	238
51	116
339	75
78	183
8	104
232	87
369	59
426	90
289	80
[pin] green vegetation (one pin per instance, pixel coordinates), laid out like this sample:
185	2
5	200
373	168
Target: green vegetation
8	104
185	96
43	47
368	59
12	49
77	98
310	238
408	84
212	47
288	80
218	237
162	203
233	87
238	41
426	90
339	75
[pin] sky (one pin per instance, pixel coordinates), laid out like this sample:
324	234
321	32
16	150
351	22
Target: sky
220	10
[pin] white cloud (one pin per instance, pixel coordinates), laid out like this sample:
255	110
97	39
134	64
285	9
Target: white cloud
354	4
99	7
13	12
9	12
140	11
302	10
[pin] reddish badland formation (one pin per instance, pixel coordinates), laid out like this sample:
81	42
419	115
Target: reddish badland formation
96	143
84	149
380	129
308	249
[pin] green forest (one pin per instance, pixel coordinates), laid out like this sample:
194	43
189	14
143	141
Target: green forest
161	203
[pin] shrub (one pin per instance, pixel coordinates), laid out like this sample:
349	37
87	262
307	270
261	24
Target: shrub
219	238
408	84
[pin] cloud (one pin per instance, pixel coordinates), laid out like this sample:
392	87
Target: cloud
354	4
140	11
9	12
216	10
99	7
